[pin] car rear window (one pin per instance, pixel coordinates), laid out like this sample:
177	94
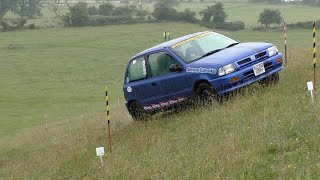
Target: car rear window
137	69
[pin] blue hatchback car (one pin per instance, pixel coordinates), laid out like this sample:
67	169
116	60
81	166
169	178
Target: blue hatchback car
202	65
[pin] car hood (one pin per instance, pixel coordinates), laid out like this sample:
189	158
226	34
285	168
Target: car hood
233	54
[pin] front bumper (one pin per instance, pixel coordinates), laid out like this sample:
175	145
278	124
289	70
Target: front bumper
246	76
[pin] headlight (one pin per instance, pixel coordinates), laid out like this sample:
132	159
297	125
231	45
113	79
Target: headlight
227	69
272	51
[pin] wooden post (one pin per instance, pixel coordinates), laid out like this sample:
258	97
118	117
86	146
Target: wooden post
285	43
46	119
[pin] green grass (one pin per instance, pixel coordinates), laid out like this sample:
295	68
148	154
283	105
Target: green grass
63	71
261	133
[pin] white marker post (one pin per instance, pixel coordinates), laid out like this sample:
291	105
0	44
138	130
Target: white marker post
46	118
100	152
310	88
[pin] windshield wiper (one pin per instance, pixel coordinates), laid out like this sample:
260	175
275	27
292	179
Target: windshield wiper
232	44
209	53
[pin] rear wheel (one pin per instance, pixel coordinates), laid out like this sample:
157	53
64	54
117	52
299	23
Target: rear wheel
206	94
270	80
137	112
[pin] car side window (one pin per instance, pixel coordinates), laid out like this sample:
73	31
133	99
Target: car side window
137	69
159	63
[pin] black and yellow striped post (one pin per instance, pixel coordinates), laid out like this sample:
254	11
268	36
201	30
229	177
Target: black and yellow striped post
108	118
314	56
285	42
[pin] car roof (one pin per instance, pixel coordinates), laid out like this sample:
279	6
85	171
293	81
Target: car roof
168	43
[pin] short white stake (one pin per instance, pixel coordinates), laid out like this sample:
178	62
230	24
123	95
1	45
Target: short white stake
101	160
310	88
100	152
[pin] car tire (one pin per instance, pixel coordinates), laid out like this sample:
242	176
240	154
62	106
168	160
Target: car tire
205	94
137	112
270	80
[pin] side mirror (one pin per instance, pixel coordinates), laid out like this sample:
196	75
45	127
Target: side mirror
175	68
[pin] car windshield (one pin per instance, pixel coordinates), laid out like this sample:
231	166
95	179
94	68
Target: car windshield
201	45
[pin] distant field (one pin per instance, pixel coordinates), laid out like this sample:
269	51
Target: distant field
260	134
249	13
243	11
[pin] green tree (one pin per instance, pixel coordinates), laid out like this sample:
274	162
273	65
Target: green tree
163	11
270	16
78	14
139	3
54	5
124	10
215	13
187	15
93	11
106	9
5	6
206	14
219	15
28	8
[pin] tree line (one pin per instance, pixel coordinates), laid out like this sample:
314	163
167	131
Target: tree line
23	8
164	10
81	14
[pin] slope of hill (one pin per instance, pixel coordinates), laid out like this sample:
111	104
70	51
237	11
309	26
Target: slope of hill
261	132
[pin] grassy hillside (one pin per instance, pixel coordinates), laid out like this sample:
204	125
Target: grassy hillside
62	72
262	132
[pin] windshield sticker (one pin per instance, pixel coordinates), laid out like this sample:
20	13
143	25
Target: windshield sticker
201	70
164	104
191	39
173	101
134	61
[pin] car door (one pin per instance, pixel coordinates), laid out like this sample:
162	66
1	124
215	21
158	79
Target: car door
137	86
173	85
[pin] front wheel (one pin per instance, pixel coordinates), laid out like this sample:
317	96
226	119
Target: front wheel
137	112
206	94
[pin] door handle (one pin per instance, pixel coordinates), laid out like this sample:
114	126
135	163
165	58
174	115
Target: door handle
153	84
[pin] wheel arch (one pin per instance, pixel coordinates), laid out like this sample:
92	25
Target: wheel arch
131	101
197	83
